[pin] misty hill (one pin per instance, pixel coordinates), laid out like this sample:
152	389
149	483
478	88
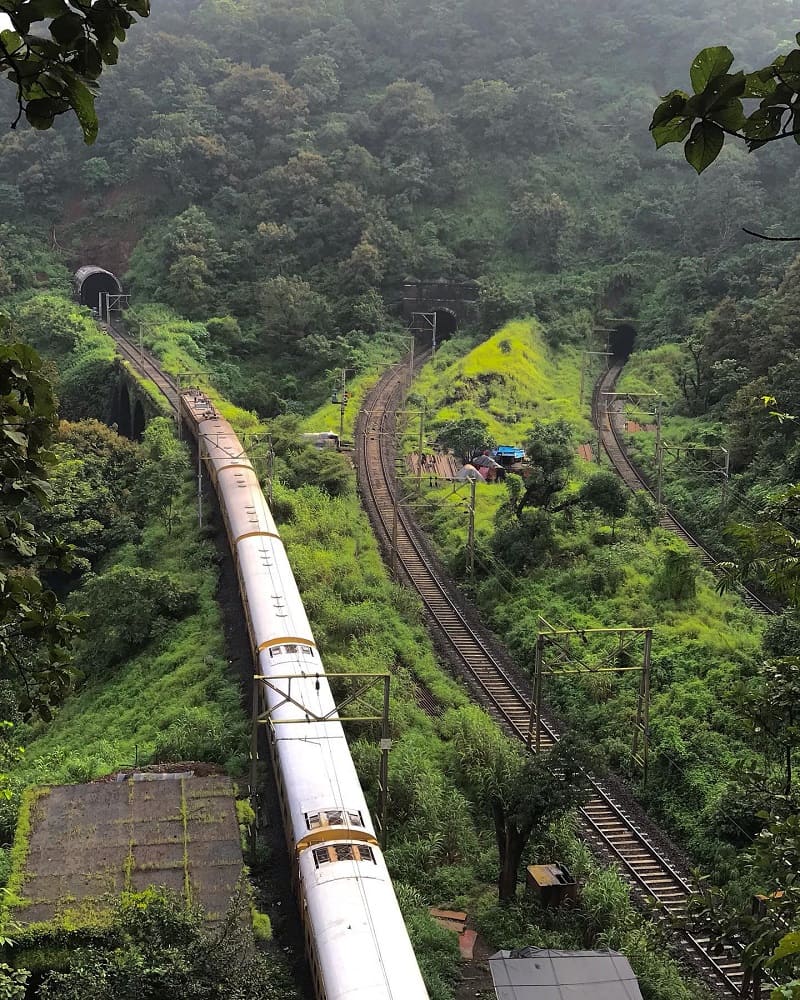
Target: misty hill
287	165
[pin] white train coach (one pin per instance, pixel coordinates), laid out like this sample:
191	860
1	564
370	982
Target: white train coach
357	943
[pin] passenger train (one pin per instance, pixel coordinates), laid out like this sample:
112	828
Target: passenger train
357	943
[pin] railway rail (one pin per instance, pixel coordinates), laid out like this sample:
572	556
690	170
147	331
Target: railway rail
146	365
604	821
607	421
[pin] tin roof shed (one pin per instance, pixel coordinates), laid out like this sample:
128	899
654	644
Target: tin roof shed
540	974
509	451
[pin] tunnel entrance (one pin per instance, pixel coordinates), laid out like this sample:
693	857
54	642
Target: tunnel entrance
90	281
621	340
446	324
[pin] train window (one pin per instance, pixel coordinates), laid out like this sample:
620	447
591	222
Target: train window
275	650
291	649
307	650
343	852
333	817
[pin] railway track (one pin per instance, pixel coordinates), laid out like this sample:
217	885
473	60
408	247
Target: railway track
604	821
146	365
607	420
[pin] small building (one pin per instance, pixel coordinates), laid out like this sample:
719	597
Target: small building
551	884
544	974
508	455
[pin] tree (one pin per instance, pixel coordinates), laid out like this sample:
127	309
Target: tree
773	707
467	437
767	930
292	310
539	225
524	793
606	492
54	54
769	548
551	450
677	578
715	110
36	633
486	110
94	504
163	480
644	510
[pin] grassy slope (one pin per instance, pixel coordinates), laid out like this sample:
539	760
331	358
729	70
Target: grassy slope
700	647
180	681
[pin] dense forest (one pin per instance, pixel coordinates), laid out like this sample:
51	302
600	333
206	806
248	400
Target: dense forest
264	180
282	170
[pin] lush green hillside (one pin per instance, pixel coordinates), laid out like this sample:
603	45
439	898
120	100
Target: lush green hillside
282	170
565	566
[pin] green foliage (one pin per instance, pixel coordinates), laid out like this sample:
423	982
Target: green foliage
199	733
127	606
95	485
262	927
320	467
467	438
160	486
523	793
54	56
605	492
644	510
35	631
13	982
550	450
559	563
157	946
172	694
677	576
715	109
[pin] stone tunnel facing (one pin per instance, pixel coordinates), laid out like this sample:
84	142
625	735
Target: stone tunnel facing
621	340
91	281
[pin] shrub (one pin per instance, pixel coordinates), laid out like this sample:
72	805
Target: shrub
677	577
262	926
200	733
125	607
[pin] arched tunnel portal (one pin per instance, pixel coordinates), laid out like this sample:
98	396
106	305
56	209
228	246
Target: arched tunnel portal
90	281
621	340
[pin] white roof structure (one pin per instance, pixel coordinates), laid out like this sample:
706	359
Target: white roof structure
541	974
468	472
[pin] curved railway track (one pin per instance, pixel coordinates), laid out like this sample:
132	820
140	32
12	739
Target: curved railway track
604	821
607	420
